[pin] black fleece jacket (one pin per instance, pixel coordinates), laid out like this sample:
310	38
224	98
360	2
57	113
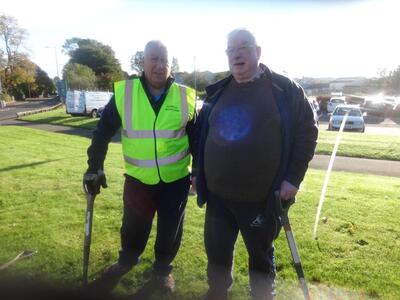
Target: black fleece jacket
299	132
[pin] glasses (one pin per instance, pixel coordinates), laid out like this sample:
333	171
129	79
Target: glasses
240	50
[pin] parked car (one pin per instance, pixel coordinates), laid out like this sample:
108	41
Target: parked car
374	106
335	101
355	118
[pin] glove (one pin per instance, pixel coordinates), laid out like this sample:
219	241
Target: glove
93	181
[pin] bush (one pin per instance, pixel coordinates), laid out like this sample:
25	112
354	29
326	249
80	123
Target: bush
6	97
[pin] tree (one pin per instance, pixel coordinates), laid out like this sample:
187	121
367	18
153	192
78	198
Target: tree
137	62
20	82
13	63
45	85
79	76
198	80
98	57
174	65
12	35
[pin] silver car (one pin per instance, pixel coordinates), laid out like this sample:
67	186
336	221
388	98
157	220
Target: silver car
355	118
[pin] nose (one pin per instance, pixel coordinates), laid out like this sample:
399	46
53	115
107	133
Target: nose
161	63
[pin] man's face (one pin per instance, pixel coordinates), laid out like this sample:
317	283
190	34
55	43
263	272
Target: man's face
243	56
156	66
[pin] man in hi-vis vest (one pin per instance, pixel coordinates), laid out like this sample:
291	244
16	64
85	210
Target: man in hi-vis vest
156	117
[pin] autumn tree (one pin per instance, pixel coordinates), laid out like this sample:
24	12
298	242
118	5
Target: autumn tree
11	58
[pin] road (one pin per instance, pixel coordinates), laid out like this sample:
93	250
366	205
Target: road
392	129
357	165
374	125
11	110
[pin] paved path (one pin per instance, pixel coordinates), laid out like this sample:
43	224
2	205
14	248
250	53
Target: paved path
12	110
347	164
358	165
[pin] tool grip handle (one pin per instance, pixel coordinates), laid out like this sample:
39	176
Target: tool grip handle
282	206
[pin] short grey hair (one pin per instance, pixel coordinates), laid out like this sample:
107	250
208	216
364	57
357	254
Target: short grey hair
244	31
154	43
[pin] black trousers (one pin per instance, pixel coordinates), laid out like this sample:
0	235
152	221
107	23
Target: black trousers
141	202
224	220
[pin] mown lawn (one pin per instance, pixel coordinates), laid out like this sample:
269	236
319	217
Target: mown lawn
352	144
59	116
42	208
363	145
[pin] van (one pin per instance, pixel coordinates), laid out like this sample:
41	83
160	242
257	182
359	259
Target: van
86	102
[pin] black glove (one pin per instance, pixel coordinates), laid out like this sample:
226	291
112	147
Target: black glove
93	181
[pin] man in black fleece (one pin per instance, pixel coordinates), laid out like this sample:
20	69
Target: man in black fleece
257	134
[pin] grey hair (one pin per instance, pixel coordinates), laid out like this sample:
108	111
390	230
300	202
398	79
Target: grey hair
154	43
250	35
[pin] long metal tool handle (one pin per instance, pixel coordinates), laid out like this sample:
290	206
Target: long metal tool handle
282	209
296	259
88	236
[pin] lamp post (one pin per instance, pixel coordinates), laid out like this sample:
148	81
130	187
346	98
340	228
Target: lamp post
55	54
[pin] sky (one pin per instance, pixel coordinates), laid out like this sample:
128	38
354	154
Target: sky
321	38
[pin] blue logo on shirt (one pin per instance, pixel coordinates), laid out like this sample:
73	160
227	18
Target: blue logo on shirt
233	123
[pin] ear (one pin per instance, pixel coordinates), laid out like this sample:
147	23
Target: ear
258	50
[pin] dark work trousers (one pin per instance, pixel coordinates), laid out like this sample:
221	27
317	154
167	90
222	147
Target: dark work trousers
224	220
141	202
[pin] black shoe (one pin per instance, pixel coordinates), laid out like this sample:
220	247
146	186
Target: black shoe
110	278
215	295
163	283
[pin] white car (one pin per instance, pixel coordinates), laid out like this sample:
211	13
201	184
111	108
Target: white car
335	101
355	118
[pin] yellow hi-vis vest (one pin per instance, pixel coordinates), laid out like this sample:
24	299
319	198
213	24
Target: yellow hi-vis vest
154	147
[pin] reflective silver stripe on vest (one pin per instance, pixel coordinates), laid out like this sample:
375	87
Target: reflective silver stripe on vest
128	103
149	134
184	106
150	163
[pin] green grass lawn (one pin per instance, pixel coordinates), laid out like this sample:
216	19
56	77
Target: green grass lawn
59	116
42	208
363	145
352	144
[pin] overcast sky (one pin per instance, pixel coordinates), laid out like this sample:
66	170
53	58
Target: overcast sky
300	38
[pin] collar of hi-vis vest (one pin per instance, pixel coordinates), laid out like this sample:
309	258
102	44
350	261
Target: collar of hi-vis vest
143	134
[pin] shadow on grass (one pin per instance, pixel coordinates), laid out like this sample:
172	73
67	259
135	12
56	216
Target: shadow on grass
68	121
28	165
80	130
